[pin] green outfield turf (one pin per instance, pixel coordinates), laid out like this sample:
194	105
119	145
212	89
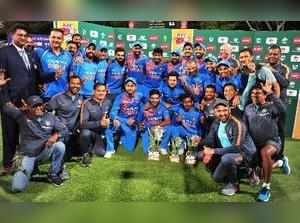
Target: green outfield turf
130	177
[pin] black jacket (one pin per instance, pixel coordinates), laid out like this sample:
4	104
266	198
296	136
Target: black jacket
238	136
23	81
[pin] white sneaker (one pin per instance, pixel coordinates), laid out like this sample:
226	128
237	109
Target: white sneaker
108	155
163	152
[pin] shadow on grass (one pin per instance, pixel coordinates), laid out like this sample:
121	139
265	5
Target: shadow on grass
126	174
194	184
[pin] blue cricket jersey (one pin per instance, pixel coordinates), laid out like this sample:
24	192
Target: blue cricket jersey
208	78
178	68
101	71
49	62
115	76
154	115
136	68
194	80
191	120
221	81
126	106
155	74
87	73
171	95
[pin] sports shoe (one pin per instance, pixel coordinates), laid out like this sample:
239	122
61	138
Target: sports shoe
86	160
55	179
163	152
64	175
285	166
230	189
108	154
36	171
264	195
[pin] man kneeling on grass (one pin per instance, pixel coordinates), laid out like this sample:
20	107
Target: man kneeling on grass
155	114
261	118
226	147
40	133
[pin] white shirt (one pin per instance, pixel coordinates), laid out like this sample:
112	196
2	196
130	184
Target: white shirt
23	55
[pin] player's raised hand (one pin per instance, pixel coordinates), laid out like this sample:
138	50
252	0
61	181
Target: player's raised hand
116	123
196	89
267	87
131	121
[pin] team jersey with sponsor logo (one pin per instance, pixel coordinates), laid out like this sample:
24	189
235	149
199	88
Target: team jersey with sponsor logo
115	76
49	63
136	67
155	74
87	72
191	120
153	116
101	71
126	106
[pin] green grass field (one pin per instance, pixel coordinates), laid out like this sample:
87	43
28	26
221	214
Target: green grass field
130	177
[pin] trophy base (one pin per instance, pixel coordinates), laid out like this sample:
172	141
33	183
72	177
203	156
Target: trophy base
175	158
190	160
153	156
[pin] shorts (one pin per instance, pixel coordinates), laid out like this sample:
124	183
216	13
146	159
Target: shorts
276	143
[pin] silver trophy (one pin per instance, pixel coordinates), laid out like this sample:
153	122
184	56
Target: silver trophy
175	147
192	144
156	134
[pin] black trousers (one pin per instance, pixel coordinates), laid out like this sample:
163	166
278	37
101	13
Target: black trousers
10	137
91	142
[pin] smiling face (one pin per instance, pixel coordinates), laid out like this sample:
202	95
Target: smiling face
224	71
72	48
210	66
56	38
222	112
260	96
274	56
137	51
192	67
130	88
157	58
20	37
154	99
77	40
74	85
188	51
29	43
229	92
245	58
172	81
199	52
100	92
209	94
175	59
120	56
187	103
90	52
37	110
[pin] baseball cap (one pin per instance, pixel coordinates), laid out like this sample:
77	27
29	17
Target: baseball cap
224	62
211	58
34	101
135	44
221	102
130	79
